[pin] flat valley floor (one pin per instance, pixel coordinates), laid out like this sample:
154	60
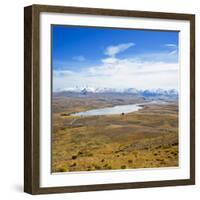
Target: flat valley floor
147	138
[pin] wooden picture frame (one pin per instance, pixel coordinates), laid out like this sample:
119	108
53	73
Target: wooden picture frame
32	93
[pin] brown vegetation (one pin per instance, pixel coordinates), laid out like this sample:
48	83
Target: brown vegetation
143	139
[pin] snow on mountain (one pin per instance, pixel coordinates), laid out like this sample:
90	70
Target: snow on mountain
160	92
76	89
147	92
172	92
131	90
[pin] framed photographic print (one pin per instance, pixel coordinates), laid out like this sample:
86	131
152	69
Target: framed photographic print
109	99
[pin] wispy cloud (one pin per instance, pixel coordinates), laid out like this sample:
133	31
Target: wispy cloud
79	58
122	74
110	60
173	49
113	50
170	45
62	73
173	52
114	72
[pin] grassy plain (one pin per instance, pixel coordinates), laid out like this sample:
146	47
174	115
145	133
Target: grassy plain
147	138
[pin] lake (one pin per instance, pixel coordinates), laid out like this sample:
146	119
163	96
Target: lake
111	110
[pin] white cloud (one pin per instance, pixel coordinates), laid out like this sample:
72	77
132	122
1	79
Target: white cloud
170	45
62	73
173	52
110	60
173	48
113	50
79	58
125	73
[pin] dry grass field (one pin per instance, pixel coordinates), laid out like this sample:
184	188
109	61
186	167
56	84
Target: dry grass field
144	139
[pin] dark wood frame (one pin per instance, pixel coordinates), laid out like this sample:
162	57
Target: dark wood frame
32	104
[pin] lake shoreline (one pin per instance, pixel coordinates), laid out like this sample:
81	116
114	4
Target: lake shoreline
115	110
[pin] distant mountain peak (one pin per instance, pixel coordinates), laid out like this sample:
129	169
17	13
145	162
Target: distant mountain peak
146	92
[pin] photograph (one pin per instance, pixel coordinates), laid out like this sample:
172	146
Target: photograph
109	99
114	98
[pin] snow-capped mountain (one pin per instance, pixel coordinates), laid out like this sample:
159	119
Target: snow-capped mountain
145	93
160	92
131	90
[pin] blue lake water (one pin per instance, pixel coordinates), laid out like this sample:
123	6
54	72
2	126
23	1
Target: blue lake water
111	110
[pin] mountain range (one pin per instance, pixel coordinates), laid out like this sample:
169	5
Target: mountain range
133	91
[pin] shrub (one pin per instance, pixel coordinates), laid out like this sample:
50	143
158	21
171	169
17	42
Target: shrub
73	165
109	167
97	167
63	169
74	157
80	153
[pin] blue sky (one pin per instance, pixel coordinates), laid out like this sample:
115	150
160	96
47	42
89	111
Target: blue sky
103	57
